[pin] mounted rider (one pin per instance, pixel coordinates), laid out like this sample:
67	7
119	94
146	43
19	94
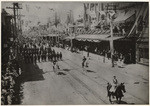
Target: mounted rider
115	82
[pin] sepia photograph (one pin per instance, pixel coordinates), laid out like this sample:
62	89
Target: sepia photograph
74	53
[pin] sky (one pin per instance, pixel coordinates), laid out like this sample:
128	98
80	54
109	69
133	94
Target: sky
41	11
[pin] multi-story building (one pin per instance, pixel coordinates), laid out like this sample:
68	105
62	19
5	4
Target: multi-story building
127	19
7	35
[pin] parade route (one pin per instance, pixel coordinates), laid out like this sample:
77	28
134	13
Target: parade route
75	53
77	86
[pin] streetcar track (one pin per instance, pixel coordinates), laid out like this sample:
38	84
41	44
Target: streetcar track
71	84
81	83
93	92
102	77
85	74
107	81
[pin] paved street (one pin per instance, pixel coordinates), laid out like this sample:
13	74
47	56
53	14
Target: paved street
75	86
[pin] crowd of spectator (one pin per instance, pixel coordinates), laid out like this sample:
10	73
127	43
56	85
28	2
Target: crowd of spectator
9	82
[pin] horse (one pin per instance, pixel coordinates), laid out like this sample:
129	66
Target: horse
118	93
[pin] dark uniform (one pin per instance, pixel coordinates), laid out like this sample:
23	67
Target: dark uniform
25	57
60	54
35	58
108	91
39	56
49	56
83	61
49	50
57	55
28	56
31	56
44	55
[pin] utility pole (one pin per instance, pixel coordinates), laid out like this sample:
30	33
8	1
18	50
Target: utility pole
15	33
15	7
111	7
111	43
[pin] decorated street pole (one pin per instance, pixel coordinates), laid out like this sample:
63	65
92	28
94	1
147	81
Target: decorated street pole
111	43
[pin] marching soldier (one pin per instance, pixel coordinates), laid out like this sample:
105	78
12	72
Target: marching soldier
57	55
35	58
39	56
31	56
49	49
44	55
60	54
51	56
54	56
25	57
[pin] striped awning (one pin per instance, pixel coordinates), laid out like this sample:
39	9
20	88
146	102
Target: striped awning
96	38
69	37
92	37
50	35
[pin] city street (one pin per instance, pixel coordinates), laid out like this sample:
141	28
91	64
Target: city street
74	53
77	86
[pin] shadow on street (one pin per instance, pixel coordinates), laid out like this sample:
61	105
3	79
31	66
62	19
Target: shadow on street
31	72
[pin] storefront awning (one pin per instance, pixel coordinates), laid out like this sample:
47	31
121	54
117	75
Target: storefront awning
93	37
114	38
50	35
96	38
69	37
